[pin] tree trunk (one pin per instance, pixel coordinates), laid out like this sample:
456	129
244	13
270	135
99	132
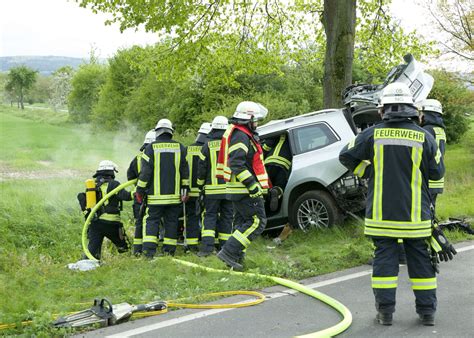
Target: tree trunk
338	19
21	99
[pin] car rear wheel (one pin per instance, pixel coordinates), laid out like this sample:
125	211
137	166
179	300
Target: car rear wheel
314	209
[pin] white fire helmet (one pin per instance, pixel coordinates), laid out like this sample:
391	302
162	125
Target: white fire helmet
150	137
164	126
251	111
396	93
220	122
107	165
430	105
205	128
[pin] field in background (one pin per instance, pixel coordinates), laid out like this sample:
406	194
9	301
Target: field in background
43	164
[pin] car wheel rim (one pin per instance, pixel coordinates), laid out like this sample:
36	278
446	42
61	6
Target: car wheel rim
312	214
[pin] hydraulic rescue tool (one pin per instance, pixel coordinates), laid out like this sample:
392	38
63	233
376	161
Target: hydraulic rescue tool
106	314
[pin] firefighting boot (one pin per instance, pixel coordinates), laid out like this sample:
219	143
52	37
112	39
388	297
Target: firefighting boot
384	318
427	319
229	261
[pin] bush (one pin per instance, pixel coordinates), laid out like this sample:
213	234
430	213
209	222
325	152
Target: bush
457	101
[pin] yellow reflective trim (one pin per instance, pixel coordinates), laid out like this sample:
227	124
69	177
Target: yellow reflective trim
169	241
423	283
139	162
244	175
399	133
192	241
202	157
110	217
360	169
200	181
208	233
255	223
440	134
224	237
416	180
145	157
239	145
398	224
137	241
266	147
378	182
435	245
384	282
150	239
177	176
241	238
184	182
395	233
141	184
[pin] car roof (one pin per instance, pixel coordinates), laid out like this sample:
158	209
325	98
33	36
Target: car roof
275	126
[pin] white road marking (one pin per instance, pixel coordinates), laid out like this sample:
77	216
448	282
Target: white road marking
274	295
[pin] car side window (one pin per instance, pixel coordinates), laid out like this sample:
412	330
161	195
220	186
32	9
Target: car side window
313	137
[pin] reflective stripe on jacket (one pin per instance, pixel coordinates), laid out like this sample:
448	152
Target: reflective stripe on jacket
164	171
215	188
279	154
192	157
398	158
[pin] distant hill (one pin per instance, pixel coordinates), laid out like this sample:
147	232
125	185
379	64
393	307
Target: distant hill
44	64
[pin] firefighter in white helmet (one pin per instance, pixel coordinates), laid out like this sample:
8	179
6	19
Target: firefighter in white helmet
106	221
240	164
217	217
163	184
132	173
432	121
399	158
192	157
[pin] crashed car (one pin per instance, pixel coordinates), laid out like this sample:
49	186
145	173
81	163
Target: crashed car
320	191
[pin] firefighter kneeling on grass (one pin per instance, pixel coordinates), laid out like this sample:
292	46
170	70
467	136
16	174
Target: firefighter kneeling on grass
163	185
399	158
240	164
106	221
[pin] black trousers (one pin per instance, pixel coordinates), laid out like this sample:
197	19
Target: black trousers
192	224
112	230
152	219
420	271
138	238
217	223
249	222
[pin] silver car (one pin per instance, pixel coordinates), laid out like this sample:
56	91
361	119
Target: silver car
320	191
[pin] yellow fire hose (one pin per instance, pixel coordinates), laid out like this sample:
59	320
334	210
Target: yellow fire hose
331	331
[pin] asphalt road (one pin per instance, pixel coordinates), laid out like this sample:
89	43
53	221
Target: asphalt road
286	313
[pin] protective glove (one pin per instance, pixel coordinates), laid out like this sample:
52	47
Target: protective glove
256	191
138	198
440	244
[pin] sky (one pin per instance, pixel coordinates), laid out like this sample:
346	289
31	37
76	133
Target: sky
62	28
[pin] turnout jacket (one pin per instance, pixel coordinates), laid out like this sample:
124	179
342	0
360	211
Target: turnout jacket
240	162
277	152
192	157
110	210
398	158
214	187
164	171
135	167
433	123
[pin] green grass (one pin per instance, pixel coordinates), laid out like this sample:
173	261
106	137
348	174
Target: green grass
458	196
40	228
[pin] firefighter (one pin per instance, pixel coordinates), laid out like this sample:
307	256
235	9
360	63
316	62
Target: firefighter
132	173
217	217
192	157
278	157
106	222
432	121
399	158
241	165
163	181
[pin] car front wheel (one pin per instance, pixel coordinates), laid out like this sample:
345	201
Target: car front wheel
314	209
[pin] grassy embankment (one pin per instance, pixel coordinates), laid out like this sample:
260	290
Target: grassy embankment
40	227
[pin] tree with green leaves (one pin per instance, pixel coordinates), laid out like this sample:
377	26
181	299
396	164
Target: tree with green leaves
85	87
60	87
20	79
284	31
